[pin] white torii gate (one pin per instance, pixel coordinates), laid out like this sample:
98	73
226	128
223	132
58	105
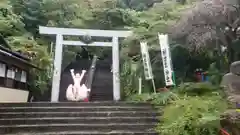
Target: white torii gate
60	32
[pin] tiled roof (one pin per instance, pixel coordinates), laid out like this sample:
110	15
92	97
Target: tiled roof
6	50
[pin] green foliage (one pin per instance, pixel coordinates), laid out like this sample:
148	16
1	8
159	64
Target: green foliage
129	78
215	75
31	48
40	58
196	112
138	5
152	21
193	116
62	13
159	99
31	13
10	23
15	31
197	89
115	18
190	109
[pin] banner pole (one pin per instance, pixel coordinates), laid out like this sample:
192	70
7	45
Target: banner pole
139	85
154	87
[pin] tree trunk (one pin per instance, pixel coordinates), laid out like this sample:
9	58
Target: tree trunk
230	52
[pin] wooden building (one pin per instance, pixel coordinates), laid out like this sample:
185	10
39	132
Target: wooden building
14	74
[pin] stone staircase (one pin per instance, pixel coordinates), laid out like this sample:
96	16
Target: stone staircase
102	83
77	118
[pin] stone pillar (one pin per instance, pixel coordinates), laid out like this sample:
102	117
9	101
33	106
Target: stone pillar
57	68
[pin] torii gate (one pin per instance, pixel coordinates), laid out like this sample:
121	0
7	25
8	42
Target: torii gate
60	32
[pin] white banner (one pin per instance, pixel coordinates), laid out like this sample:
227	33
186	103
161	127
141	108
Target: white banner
166	59
146	61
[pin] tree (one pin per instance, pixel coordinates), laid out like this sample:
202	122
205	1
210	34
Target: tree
10	23
138	5
151	22
31	13
208	22
12	28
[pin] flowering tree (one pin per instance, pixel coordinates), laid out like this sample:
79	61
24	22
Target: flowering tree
208	22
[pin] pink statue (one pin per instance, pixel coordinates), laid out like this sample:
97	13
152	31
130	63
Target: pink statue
77	91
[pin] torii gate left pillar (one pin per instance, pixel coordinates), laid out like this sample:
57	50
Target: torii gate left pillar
60	32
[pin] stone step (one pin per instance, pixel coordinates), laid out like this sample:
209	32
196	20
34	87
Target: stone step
105	94
103	97
102	92
76	120
78	114
113	132
100	99
5	129
101	89
79	118
103	85
74	109
48	104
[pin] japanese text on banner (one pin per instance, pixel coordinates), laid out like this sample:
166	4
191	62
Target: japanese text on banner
146	61
166	59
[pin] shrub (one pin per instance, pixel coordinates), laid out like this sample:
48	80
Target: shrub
194	89
159	99
190	109
215	75
192	116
